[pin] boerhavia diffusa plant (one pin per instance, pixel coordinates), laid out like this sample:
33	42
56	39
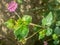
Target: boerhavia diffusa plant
20	26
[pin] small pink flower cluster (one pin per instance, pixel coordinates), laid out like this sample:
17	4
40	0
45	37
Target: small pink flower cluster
45	43
12	6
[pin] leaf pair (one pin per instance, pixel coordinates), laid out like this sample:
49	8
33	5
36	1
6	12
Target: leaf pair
46	32
55	38
20	26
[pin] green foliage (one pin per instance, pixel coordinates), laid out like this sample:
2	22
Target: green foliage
44	22
55	37
42	34
48	19
19	1
58	1
27	19
20	26
56	42
57	31
10	23
21	32
58	23
49	32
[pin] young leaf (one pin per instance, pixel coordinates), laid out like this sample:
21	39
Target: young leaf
57	31
48	31
56	42
47	20
44	21
19	1
21	32
27	19
42	34
55	37
10	23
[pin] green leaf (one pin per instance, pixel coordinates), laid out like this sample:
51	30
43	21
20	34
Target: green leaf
27	19
55	37
47	20
57	31
42	34
44	21
10	23
49	32
56	42
19	1
58	1
20	29
18	24
58	23
21	32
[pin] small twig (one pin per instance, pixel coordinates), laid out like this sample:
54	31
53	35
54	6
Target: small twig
35	32
32	35
35	25
48	40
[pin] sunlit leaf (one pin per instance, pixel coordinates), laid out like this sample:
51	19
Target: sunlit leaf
44	21
27	19
47	20
42	34
21	32
19	1
55	37
10	23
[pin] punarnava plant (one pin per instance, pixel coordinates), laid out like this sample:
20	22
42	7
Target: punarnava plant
20	26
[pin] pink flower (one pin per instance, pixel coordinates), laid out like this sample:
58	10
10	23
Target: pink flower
12	6
45	43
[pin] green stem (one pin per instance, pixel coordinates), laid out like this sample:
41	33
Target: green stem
35	25
35	32
17	14
32	35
